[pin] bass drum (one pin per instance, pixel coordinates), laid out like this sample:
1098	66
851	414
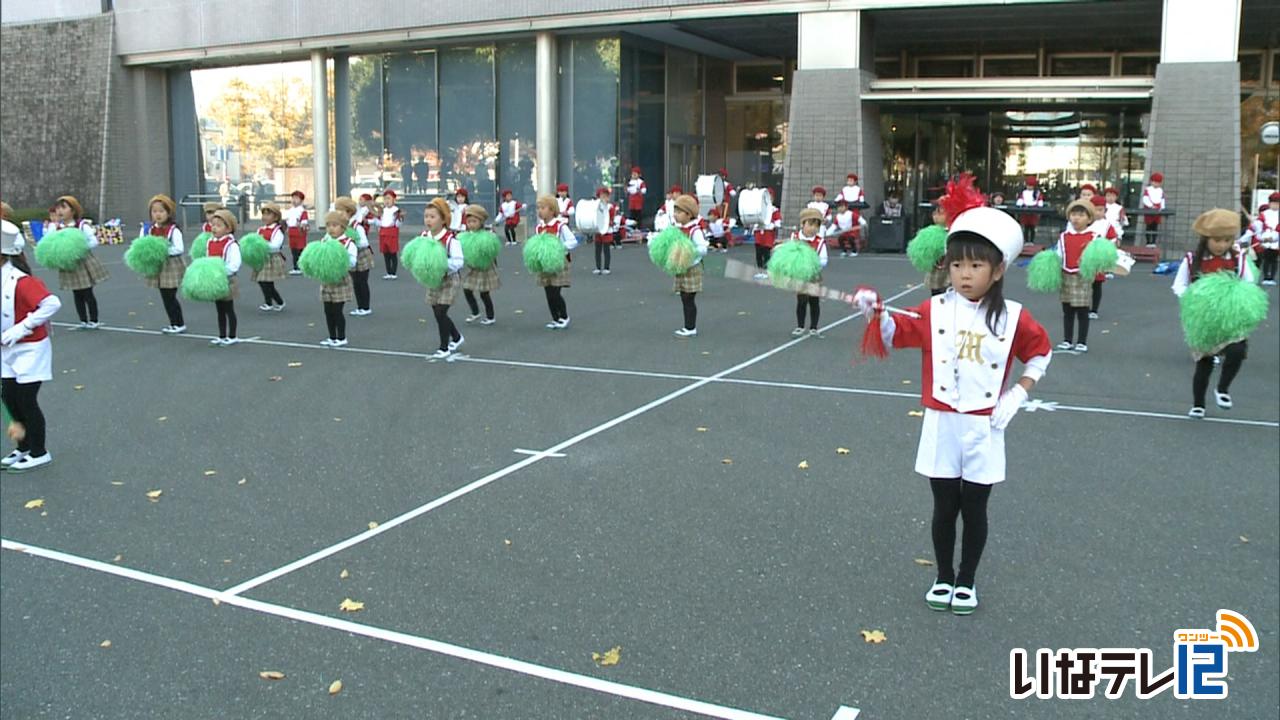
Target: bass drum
710	190
592	217
755	206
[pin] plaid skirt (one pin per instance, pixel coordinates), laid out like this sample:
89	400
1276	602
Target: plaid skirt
482	280
273	270
938	279
560	279
446	293
171	272
364	259
689	281
1077	289
88	273
341	292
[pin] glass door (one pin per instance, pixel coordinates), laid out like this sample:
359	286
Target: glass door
684	161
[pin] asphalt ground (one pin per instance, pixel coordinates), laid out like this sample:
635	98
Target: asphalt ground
553	494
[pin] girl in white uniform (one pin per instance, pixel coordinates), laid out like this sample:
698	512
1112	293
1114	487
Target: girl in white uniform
969	337
26	355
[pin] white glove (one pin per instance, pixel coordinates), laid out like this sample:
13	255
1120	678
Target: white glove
865	299
1010	402
14	334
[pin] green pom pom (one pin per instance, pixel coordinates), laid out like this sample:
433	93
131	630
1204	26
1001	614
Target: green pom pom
146	255
411	249
326	261
350	232
206	280
1044	273
1098	256
927	248
660	245
200	246
480	248
543	253
254	250
1220	308
429	262
794	260
682	256
62	249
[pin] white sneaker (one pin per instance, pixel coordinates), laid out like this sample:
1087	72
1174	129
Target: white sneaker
596	271
606	271
439	355
813	332
179	329
455	344
295	271
472	318
553	325
1196	413
387	276
797	332
218	341
1093	316
231	341
1224	400
853	254
488	321
1082	348
278	308
30	463
686	332
939	596
93	325
264	307
391	277
1217	360
82	325
844	254
760	276
356	313
563	324
1065	345
339	343
964	601
12	458
327	342
167	329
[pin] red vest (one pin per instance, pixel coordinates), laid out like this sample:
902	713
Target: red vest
1225	263
445	238
163	231
551	227
1073	244
815	243
26	297
218	245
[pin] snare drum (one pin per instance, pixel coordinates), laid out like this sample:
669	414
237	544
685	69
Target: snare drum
592	217
710	191
755	206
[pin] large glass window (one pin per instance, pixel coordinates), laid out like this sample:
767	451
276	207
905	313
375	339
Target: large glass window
641	104
468	146
517	131
410	160
995	67
1080	65
367	174
755	146
754	78
589	69
944	67
1139	64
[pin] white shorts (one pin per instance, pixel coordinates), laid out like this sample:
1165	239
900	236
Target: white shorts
28	362
956	445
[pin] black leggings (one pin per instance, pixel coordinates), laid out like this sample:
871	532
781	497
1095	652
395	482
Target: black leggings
1233	357
86	304
1096	298
20	399
1269	258
297	253
335	320
555	303
1072	315
603	249
634	215
172	308
690	310
485	296
360	281
392	262
510	232
448	331
762	255
1152	232
952	497
1029	233
810	302
226	318
270	295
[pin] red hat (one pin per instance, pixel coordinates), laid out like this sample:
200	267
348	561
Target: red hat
1031	181
460	191
1274	197
636	169
366	197
1098	201
505	192
852	176
818	189
562	187
603	190
715	213
724	173
1111	191
1089	187
389	192
1157	177
298	194
675	190
1263	206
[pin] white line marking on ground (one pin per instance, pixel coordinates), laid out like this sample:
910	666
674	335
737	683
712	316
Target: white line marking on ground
846	713
503	472
543	453
522	667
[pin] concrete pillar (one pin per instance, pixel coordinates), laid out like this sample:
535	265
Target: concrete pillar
1194	132
546	79
320	130
342	124
832	131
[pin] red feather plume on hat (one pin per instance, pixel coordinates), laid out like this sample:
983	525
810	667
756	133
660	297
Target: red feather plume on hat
962	194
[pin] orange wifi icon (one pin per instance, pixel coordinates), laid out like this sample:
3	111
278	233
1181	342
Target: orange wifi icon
1236	632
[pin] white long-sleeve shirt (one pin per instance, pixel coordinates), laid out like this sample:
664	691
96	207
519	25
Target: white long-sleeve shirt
391	217
230	256
1182	281
821	248
275	241
174	238
296	216
560	228
693	229
452	247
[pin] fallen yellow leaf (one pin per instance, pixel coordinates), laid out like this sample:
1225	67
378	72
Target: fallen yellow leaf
349	605
337	419
609	657
344	574
372	524
923	562
44	513
270	674
506	542
804	465
154	494
519	312
242	481
706	352
702	429
873	636
916	413
208	473
132	313
105	644
275	378
842	451
117	558
335	687
295	364
311	324
77	387
33	504
726	461
742	312
162	418
1244	539
906	382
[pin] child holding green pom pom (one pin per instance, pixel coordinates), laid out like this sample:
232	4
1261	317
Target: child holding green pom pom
689	282
1216	253
89	271
274	269
335	294
480	280
938	278
223	245
1075	293
162	209
364	255
810	227
1103	228
437	217
553	284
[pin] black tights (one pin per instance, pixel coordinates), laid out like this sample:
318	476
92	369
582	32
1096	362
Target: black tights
297	253
690	310
605	250
86	304
20	399
485	296
172	308
1028	233
270	295
555	303
952	497
448	331
810	302
1269	258
360	281
762	255
1072	315
510	232
226	318
1152	232
1233	357
392	261
1096	299
335	320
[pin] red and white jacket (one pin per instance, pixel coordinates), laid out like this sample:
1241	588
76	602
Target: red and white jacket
693	230
566	207
767	234
27	302
509	213
819	245
295	216
1071	245
560	228
846	223
227	248
1153	198
615	223
852	194
1116	216
636	190
392	218
452	248
172	234
273	235
1234	261
1269	229
86	227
